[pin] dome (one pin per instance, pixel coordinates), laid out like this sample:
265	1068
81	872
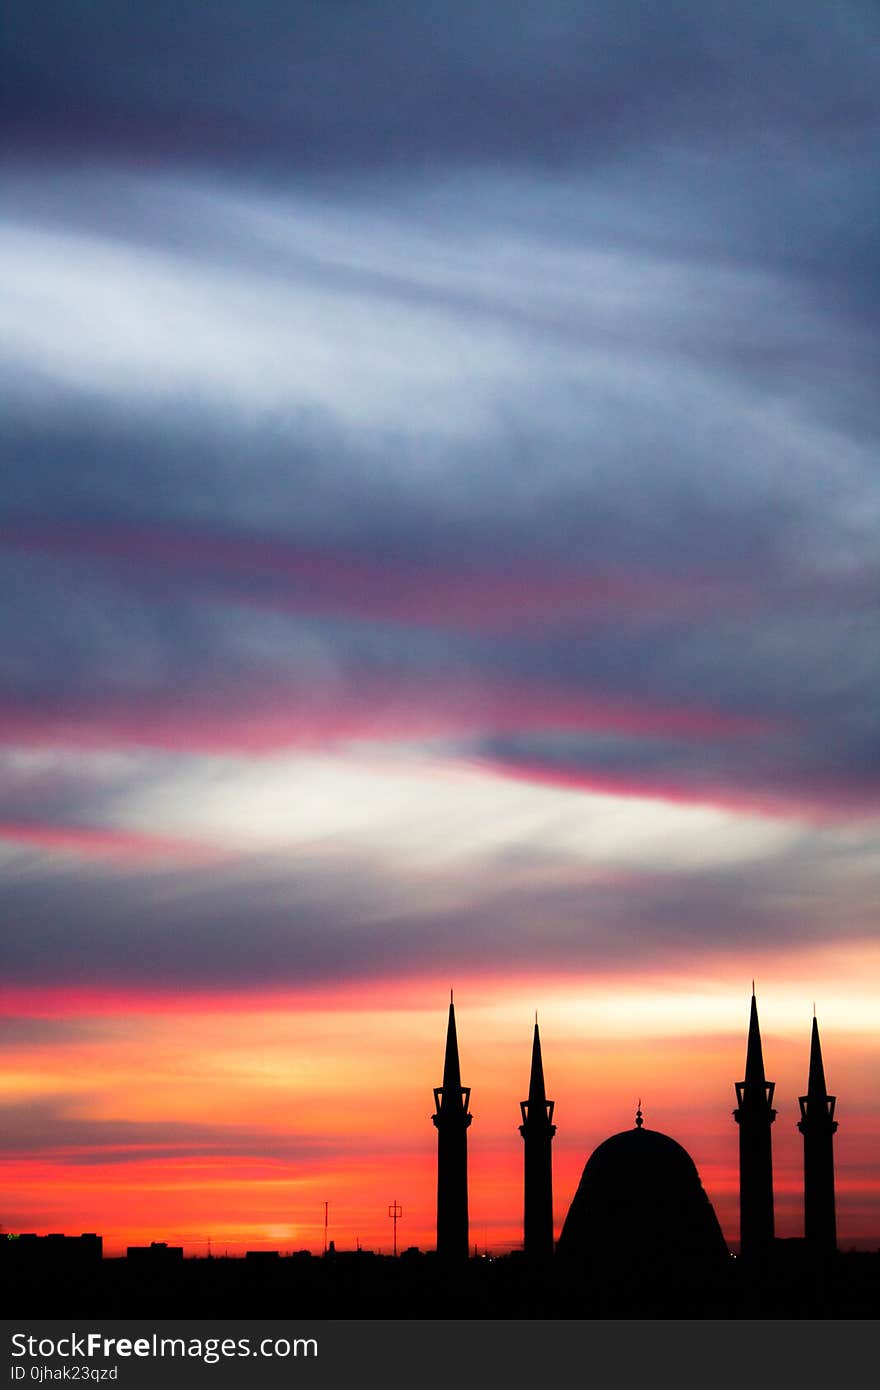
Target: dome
640	1206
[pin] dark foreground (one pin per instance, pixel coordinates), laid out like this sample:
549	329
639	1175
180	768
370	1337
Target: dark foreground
415	1285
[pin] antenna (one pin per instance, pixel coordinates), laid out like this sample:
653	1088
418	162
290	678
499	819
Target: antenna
326	1206
395	1211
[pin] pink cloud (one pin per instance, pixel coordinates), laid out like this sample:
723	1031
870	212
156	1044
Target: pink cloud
363	707
822	804
99	842
289	576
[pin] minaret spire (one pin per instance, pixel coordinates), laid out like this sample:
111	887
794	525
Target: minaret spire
754	1115
451	1119
754	1053
818	1125
537	1130
537	1093
451	1068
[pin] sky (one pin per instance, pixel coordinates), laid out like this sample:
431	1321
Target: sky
439	505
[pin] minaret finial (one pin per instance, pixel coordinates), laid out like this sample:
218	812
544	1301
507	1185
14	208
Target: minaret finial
450	996
753	989
639	1120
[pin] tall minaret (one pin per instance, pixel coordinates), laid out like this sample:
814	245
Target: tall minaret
754	1115
537	1129
451	1117
817	1125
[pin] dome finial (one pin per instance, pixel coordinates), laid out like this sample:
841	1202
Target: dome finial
639	1120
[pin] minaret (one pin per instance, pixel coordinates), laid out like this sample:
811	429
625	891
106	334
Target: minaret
754	1115
451	1117
817	1125
537	1129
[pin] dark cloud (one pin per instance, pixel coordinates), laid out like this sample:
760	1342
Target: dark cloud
321	915
345	83
721	673
18	1031
49	1128
504	382
763	773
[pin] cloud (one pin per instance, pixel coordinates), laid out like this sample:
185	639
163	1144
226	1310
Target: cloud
550	81
48	1128
524	429
343	879
97	841
643	491
19	1031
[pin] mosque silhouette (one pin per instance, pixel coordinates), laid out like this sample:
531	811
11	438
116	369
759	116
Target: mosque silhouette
640	1239
640	1209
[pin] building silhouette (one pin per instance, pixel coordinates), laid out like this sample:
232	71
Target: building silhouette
818	1125
157	1255
537	1130
30	1253
641	1214
640	1238
754	1115
640	1203
451	1118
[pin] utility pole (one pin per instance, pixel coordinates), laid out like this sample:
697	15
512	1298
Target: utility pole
395	1211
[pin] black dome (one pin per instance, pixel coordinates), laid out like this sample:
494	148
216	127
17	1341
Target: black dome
640	1205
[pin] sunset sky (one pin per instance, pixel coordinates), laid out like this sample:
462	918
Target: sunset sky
439	549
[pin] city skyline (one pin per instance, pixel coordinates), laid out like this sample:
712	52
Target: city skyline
438	549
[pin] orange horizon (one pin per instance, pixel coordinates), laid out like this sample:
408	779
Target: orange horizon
200	1125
